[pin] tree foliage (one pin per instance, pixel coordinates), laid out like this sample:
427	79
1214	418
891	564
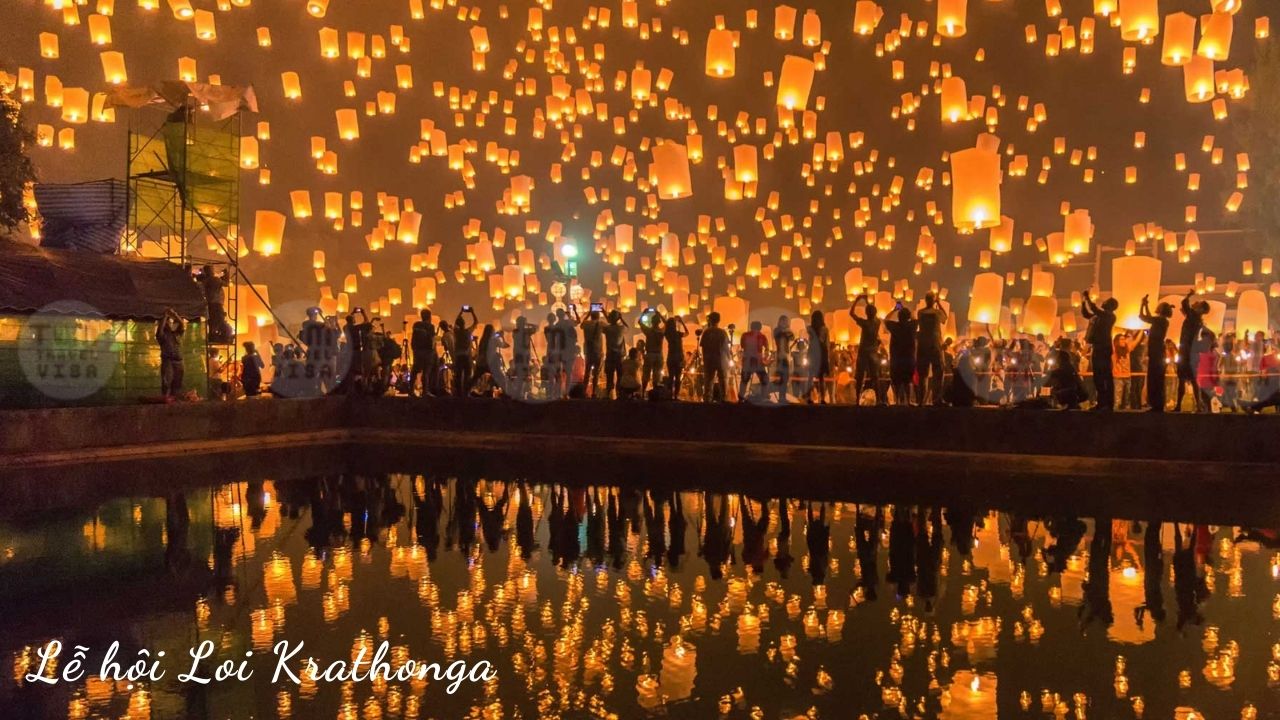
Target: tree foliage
16	169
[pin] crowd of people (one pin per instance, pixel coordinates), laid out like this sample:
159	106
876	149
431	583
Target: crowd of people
899	357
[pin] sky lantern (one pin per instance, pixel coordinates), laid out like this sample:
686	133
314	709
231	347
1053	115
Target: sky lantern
1131	279
721	58
744	163
1251	312
795	82
1139	20
521	188
952	16
187	69
113	67
512	281
671	167
733	311
784	22
205	26
1215	37
317	8
866	16
328	43
248	153
1039	315
986	299
1077	232
49	46
1001	240
75	105
100	29
1197	79
291	84
811	28
348	123
408	228
1179	39
181	9
955	100
975	189
268	232
301	202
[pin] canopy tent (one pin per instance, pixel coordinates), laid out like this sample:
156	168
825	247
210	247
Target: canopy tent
33	278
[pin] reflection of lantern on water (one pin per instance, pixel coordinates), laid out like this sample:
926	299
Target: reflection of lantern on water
278	580
647	692
787	647
679	668
970	695
748	633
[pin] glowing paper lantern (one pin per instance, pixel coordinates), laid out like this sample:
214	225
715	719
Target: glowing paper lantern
49	46
1251	312
733	311
955	100
348	123
1131	279
292	85
1139	19
671	168
1077	232
301	202
866	16
784	22
1179	39
512	281
317	8
794	82
988	294
1215	37
952	16
1197	79
721	55
1039	315
1001	240
113	67
744	163
268	232
975	189
1041	283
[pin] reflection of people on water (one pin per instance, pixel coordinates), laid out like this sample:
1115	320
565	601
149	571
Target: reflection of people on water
617	531
563	521
429	506
524	522
929	543
717	535
1152	576
595	528
782	559
755	525
817	535
1067	532
866	538
902	561
1189	587
177	523
493	517
655	528
1097	589
676	525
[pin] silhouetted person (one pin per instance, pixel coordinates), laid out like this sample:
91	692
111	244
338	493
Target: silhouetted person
1065	386
674	331
615	347
868	370
783	339
1102	321
714	344
652	325
169	337
655	527
422	343
902	353
462	357
1159	323
1188	359
251	370
524	523
929	323
593	349
819	357
754	347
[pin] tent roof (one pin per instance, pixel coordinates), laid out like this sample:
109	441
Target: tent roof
34	278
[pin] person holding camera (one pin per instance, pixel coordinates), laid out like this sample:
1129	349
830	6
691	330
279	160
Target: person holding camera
615	344
422	343
651	324
674	331
593	345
